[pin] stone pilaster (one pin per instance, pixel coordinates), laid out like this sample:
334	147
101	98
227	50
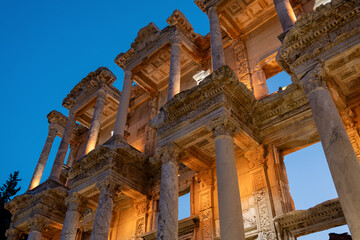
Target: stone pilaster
205	181
95	122
230	212
175	67
36	178
340	154
74	204
141	207
37	226
108	189
64	144
122	113
150	132
12	234
169	194
259	83
217	49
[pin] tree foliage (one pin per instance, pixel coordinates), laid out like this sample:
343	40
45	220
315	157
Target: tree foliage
8	189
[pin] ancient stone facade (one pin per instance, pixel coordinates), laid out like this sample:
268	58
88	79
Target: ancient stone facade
200	120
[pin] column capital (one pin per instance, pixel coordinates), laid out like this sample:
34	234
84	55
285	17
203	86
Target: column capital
52	131
313	80
212	9
12	234
255	156
176	39
128	74
108	187
223	126
38	223
101	94
75	202
168	153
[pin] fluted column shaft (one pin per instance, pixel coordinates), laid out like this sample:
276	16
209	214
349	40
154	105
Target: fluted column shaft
230	213
169	195
123	105
217	49
102	221
175	67
74	204
64	144
39	170
95	122
285	13
340	155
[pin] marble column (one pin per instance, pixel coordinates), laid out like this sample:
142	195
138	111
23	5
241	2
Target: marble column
101	227
122	113
168	204
37	225
35	180
230	213
175	67
217	49
12	234
259	83
74	148
285	13
64	144
95	122
340	155
74	205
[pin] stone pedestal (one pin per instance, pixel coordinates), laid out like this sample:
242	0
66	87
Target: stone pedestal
169	195
259	83
231	220
95	122
285	13
175	67
74	205
64	144
217	49
123	105
340	155
36	178
102	221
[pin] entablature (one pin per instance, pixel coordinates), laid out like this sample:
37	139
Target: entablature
323	216
149	55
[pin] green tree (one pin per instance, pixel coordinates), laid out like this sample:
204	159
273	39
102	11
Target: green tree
7	190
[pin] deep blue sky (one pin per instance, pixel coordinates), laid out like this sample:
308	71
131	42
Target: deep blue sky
47	47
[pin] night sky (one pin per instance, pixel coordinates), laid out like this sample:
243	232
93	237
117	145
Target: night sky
47	47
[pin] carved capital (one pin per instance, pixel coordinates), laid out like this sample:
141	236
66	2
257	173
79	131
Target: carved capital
108	187
141	206
176	39
101	95
168	153
255	156
75	202
204	178
313	80
12	234
348	117
52	131
223	126
128	74
38	223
